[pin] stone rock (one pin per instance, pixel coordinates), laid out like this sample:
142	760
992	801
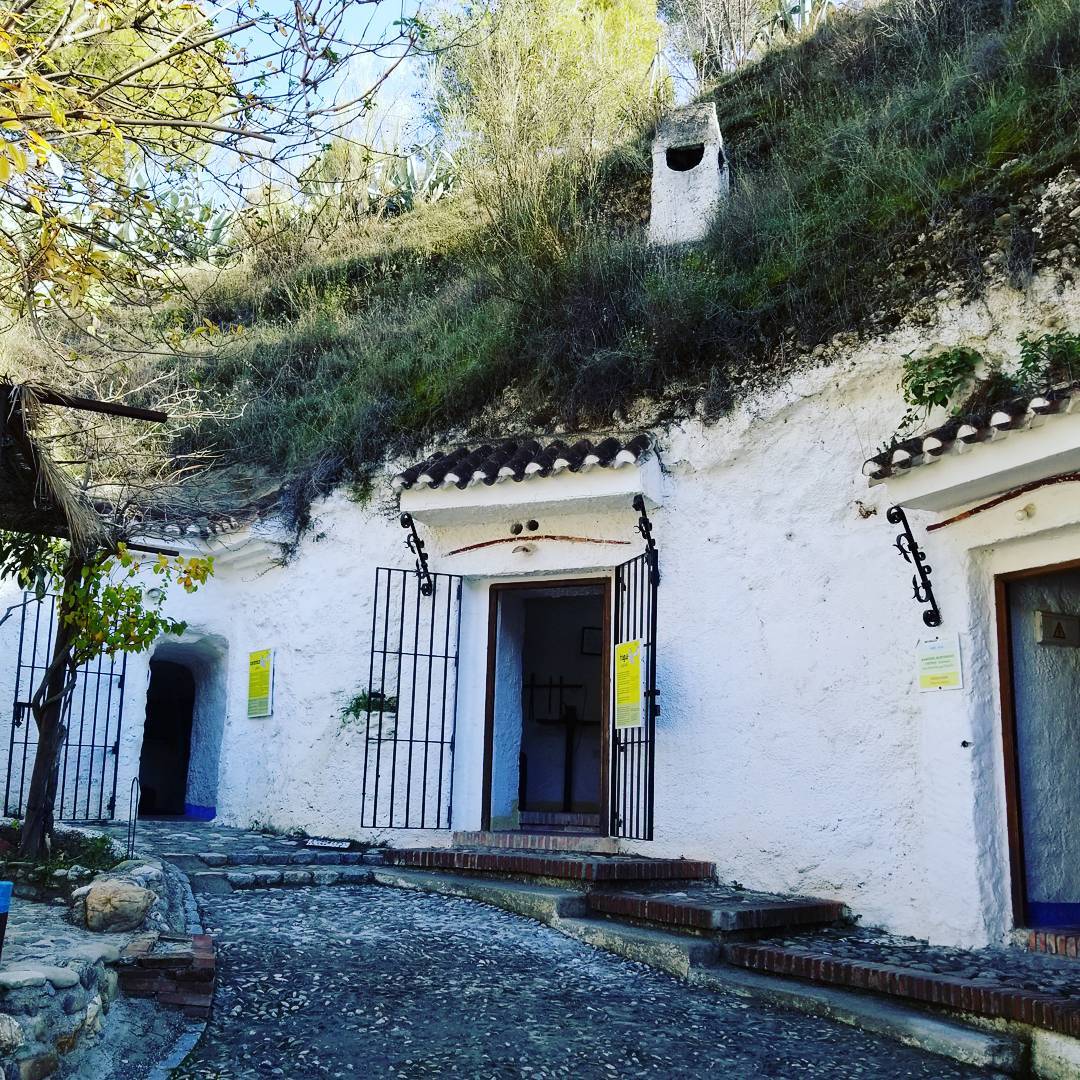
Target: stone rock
213	858
20	978
93	1014
113	905
94	951
38	1067
11	1034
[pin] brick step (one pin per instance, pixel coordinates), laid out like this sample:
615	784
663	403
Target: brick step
172	969
539	841
307	857
1002	999
717	910
583	869
227	879
1065	943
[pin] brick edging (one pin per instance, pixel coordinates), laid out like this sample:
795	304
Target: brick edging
978	996
580	868
183	978
1054	942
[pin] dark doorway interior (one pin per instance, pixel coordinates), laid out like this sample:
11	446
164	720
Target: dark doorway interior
549	708
1044	643
163	767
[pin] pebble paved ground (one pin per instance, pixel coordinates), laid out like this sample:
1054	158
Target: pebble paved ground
367	981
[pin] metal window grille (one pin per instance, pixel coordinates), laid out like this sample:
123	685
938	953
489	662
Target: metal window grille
408	775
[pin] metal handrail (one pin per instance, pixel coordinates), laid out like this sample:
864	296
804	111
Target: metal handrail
134	798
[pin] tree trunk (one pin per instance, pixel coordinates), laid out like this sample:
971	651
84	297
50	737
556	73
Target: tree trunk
47	706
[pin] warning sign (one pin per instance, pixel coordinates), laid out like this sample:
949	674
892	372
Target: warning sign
628	695
260	683
1053	629
938	663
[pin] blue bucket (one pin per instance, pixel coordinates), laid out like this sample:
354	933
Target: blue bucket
5	905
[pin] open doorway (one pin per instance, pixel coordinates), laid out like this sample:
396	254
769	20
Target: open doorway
547	707
166	749
1041	698
185	720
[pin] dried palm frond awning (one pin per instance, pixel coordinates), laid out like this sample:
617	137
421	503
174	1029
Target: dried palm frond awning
37	495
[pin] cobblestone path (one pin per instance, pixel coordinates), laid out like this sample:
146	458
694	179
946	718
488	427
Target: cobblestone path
367	981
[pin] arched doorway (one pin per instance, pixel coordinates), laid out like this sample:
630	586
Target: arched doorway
185	719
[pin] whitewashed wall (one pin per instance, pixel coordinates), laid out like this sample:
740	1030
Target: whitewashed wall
793	748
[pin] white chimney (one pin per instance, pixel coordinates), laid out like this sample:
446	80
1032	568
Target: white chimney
689	175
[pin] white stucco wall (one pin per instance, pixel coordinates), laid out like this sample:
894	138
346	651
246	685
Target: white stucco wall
792	747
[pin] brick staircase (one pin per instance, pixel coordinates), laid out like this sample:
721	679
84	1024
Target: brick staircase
673	914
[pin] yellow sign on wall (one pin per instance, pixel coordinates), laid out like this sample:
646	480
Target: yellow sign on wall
628	695
260	683
939	664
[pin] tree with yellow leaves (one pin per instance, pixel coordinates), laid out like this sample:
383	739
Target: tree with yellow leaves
114	112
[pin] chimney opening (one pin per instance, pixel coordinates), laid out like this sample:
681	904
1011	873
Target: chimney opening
684	158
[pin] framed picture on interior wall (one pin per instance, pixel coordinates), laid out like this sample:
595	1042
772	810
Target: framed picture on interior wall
592	641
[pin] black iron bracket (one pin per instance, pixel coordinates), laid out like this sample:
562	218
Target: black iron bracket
906	544
416	546
644	526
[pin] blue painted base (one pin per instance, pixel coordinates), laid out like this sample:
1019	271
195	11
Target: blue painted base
200	813
1042	916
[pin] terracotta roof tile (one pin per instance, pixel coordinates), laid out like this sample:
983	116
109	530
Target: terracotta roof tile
519	459
959	433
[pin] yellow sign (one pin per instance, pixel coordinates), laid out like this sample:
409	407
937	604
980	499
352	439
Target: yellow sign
260	683
628	696
939	665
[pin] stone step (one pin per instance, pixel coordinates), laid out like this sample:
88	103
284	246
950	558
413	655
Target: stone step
582	869
998	1051
543	903
1007	998
715	909
677	954
309	857
227	879
539	841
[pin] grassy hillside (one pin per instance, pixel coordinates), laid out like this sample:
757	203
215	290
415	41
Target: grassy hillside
845	148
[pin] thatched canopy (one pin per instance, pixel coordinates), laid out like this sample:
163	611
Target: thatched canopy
36	494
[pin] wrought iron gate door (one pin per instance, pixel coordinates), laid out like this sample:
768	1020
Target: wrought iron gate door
92	714
632	748
411	701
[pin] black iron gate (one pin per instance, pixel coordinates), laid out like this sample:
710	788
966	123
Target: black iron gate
633	763
93	715
411	701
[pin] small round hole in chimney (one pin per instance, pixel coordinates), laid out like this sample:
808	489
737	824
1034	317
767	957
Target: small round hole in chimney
684	158
515	529
532	524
